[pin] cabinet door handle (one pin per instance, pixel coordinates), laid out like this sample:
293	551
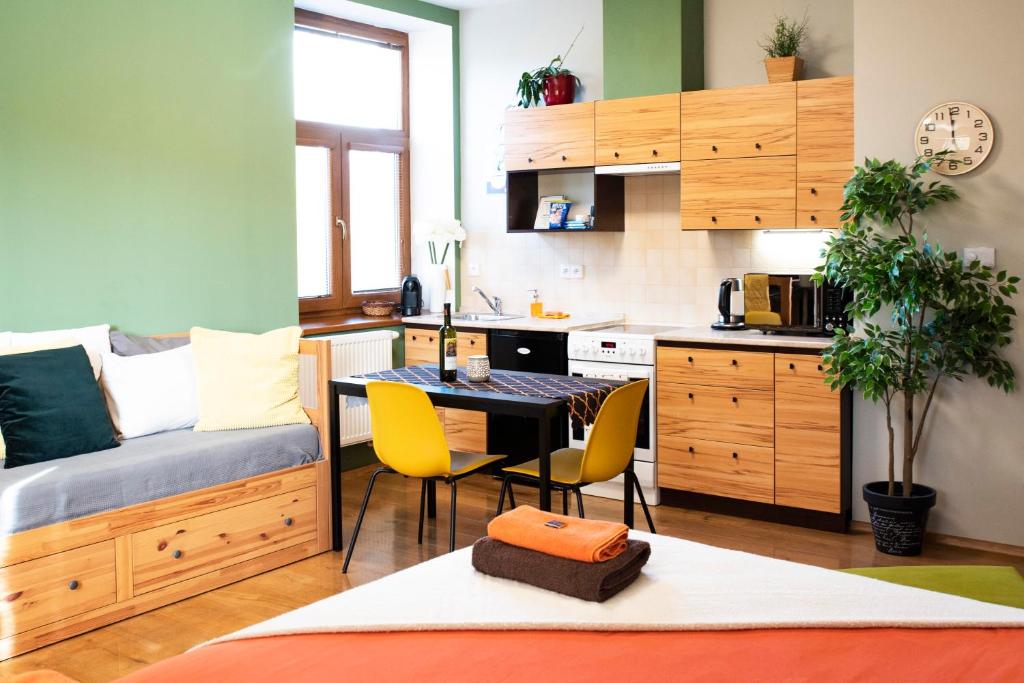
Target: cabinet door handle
714	148
654	152
689	359
814	190
757	145
529	160
714	219
523	351
565	158
735	400
792	366
616	155
472	342
73	585
288	521
821	369
689	396
735	456
757	219
414	337
735	362
814	219
430	339
691	449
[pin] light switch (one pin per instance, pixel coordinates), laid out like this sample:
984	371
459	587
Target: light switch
570	271
986	255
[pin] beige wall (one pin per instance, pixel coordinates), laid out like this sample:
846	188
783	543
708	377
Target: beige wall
974	453
733	29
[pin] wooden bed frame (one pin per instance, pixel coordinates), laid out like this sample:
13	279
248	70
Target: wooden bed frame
64	579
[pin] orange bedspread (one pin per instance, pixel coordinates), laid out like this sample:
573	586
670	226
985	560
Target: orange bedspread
906	655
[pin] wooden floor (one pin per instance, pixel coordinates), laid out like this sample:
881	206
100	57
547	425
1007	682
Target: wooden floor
388	543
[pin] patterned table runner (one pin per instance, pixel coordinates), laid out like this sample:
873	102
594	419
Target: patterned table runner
583	396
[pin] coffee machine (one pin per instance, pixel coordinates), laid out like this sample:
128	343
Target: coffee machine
730	315
412	295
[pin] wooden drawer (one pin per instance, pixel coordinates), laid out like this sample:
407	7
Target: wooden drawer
739	369
422	346
466	430
819	193
738	194
637	130
174	552
693	411
730	123
468	344
714	468
45	590
549	137
807	435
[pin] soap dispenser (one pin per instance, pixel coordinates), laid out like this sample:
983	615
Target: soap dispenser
536	307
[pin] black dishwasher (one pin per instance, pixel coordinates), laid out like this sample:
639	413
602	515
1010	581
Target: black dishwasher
547	352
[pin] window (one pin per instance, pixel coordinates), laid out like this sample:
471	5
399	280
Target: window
351	163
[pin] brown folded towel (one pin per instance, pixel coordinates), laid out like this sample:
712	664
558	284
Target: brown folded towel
593	581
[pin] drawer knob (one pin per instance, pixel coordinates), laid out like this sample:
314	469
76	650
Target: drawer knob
714	148
73	585
689	396
757	145
472	342
654	152
757	219
529	160
565	158
735	456
176	554
792	366
288	521
714	219
616	155
735	400
690	449
430	339
414	337
689	359
814	219
735	362
814	190
820	368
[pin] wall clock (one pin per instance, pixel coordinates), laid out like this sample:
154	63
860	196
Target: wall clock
961	127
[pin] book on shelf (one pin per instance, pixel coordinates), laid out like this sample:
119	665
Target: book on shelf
543	219
559	212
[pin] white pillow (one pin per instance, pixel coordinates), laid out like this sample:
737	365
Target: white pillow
152	392
95	339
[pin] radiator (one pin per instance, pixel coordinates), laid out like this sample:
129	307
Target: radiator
351	354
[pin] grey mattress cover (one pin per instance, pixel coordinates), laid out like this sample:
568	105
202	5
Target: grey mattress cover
144	469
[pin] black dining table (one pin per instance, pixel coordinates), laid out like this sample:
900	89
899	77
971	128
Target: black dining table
504	397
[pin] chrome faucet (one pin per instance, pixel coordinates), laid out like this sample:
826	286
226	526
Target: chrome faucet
495	305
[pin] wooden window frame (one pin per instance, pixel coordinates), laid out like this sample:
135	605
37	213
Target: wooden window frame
341	139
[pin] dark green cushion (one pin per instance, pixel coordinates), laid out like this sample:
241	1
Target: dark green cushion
999	585
51	407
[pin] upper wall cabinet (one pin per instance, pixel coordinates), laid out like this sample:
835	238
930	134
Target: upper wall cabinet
549	137
737	194
637	130
730	123
824	119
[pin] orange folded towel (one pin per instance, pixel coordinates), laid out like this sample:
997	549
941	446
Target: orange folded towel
585	540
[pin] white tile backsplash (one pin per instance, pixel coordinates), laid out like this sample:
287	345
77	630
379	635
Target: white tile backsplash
651	272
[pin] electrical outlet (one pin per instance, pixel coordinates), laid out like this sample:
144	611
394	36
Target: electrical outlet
986	255
570	271
474	269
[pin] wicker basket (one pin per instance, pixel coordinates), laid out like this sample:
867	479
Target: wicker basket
378	308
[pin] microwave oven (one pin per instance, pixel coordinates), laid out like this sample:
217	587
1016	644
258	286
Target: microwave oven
789	303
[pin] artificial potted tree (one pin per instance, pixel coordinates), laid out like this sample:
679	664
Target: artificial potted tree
947	320
555	83
782	50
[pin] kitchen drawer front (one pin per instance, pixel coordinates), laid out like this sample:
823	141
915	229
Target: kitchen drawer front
808	465
45	590
549	137
468	344
174	552
637	130
715	468
693	411
819	192
421	346
738	194
730	123
466	430
739	369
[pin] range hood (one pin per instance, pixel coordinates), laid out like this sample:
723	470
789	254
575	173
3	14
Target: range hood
657	168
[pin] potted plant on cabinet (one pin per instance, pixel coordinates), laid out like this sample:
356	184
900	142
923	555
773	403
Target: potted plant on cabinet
782	50
554	82
949	320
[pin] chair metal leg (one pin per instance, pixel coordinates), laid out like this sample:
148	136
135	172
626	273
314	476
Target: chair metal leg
511	496
423	505
359	519
501	495
565	502
451	523
579	502
643	502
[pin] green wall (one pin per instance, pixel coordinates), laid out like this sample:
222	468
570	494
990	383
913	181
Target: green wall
652	47
146	164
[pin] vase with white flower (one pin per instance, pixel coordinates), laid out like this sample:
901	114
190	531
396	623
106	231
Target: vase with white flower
440	236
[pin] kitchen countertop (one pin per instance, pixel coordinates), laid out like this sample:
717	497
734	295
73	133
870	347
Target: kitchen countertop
706	335
526	323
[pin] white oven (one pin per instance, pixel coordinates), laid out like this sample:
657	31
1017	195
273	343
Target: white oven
623	352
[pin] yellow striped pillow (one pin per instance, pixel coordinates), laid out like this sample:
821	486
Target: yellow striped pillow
247	381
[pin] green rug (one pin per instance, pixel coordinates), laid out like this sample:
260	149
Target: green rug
999	585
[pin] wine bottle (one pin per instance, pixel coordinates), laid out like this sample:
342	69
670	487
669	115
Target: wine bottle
448	338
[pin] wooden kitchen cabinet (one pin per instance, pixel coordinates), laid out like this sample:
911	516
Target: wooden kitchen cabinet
733	123
715	468
549	137
738	193
637	130
466	430
825	154
808	464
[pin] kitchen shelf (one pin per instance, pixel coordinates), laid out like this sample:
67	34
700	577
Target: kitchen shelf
607	193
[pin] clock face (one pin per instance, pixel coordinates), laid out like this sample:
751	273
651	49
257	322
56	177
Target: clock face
960	127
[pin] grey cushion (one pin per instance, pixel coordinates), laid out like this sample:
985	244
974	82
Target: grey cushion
133	345
145	469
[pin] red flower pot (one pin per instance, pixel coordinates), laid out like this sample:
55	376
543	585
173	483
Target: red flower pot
559	89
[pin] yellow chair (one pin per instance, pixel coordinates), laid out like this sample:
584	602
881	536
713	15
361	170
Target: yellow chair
408	440
606	456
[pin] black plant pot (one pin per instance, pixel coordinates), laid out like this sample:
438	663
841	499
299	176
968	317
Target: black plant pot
897	521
